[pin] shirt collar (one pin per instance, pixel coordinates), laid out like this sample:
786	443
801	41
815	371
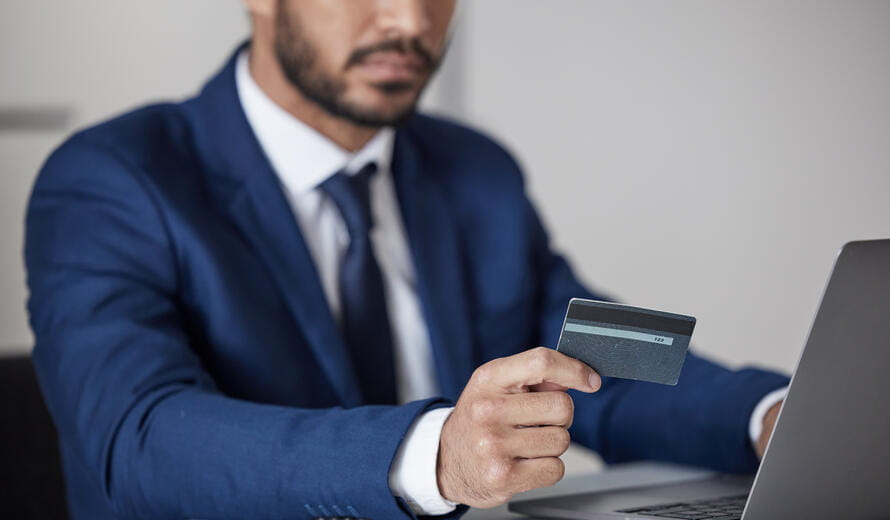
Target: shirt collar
301	157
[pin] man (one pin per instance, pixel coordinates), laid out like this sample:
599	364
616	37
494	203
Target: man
290	297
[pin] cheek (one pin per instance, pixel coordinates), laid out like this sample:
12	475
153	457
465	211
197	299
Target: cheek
439	13
329	36
331	55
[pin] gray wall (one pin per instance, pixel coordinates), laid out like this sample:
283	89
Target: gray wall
702	157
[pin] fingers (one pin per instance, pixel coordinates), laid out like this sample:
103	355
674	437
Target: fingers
537	366
537	473
509	427
504	479
533	443
538	409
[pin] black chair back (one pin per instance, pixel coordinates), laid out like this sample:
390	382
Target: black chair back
31	484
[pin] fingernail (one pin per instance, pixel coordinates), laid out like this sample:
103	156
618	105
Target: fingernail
595	381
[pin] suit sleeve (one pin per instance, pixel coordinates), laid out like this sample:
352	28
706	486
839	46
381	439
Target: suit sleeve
129	395
703	421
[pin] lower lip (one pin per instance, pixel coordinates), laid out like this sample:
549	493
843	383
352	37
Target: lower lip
385	71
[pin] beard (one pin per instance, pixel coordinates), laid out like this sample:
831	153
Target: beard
298	59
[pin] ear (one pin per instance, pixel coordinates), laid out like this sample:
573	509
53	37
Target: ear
260	8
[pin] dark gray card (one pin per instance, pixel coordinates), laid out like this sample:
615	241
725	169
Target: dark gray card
628	342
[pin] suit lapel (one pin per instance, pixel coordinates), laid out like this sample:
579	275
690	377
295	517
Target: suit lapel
247	189
265	219
435	249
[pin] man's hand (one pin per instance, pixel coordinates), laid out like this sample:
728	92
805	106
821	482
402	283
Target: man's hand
769	423
510	426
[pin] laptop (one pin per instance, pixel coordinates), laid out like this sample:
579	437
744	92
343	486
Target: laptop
829	456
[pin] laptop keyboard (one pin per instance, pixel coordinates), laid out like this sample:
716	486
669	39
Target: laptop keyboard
723	508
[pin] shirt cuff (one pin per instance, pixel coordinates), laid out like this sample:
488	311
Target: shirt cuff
413	473
755	426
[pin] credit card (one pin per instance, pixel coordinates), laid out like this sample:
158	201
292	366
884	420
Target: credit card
628	342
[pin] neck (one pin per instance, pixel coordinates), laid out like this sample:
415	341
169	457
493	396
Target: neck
267	73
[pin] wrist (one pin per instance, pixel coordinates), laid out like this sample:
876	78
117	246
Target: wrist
759	415
414	472
443	476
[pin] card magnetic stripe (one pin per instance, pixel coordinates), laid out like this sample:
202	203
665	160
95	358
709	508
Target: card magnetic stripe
631	318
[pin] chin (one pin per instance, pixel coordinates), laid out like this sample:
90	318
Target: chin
385	107
393	116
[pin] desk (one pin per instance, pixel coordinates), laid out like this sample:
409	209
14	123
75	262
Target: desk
617	476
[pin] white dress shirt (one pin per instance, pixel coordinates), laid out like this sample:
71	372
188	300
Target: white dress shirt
302	158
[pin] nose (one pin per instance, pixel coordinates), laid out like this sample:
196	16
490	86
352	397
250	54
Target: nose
403	18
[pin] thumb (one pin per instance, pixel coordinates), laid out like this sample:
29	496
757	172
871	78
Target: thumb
547	386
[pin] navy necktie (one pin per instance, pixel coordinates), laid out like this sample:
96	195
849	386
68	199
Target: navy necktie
364	321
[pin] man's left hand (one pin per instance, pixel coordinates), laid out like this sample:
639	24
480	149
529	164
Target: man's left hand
769	423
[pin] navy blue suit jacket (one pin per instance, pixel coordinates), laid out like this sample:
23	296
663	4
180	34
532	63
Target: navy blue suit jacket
188	357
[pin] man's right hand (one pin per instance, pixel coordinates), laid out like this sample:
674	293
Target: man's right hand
510	426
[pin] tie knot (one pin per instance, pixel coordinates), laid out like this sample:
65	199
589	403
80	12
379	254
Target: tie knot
352	195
